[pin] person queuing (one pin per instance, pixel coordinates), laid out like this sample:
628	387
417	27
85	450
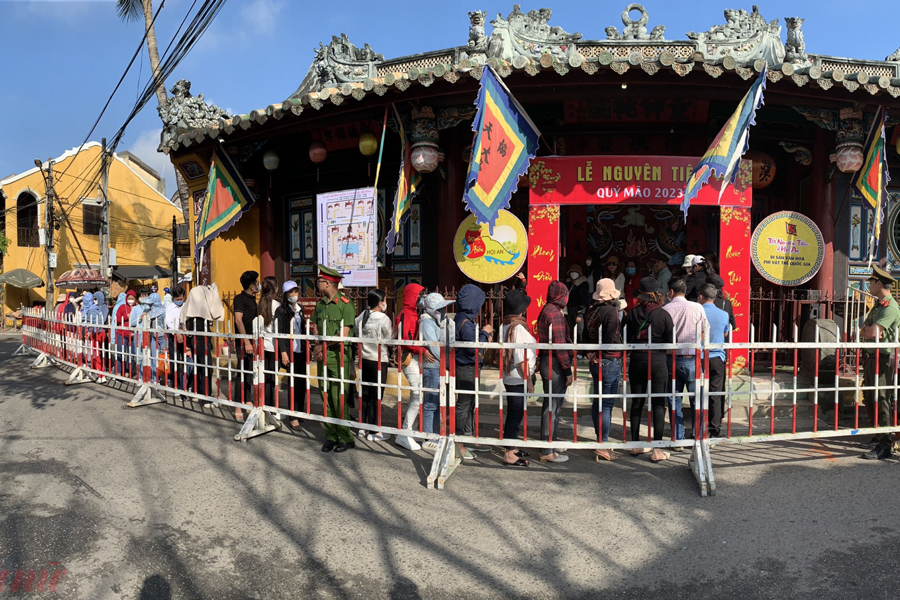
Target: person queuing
434	326
178	367
648	324
374	324
700	270
290	320
555	366
469	301
268	305
153	308
690	322
245	311
579	299
878	367
719	326
333	315
722	302
632	282
410	356
124	335
602	319
202	307
93	317
662	274
518	369
614	272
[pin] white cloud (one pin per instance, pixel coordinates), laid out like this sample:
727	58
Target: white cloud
144	147
262	15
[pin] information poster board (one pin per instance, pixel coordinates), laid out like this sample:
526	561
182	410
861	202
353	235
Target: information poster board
347	235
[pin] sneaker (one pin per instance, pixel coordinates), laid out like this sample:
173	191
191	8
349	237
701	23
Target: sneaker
878	453
466	454
378	437
101	379
407	442
480	448
430	445
207	404
362	433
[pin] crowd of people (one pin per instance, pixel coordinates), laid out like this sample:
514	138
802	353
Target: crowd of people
671	302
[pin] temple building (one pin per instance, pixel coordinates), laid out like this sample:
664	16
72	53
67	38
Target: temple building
629	115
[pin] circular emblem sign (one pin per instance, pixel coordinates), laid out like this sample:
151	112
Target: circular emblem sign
787	248
491	257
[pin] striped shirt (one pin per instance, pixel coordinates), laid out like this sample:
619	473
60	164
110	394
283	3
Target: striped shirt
685	316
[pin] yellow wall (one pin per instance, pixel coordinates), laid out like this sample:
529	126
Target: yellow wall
140	219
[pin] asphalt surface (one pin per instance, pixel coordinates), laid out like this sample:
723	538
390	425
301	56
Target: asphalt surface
160	503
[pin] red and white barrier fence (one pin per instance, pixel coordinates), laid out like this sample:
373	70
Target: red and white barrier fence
767	401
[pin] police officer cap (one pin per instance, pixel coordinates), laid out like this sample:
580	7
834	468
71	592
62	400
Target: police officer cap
329	274
882	276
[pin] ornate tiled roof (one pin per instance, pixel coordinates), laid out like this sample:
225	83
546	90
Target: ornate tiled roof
526	42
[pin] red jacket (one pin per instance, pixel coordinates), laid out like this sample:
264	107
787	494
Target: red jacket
123	315
407	322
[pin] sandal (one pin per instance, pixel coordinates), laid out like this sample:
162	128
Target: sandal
665	456
519	463
609	455
639	451
522	454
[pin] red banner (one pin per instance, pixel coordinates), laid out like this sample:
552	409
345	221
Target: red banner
543	257
627	180
734	268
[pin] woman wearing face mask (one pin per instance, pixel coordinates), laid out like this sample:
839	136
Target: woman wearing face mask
632	281
374	324
614	272
268	304
177	364
124	341
292	353
435	327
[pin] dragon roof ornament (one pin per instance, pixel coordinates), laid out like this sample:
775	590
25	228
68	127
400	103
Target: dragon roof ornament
635	30
527	35
895	57
184	112
337	63
745	36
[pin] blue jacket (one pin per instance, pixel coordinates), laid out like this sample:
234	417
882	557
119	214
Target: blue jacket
469	301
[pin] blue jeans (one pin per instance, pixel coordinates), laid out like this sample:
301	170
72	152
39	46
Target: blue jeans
685	377
431	401
612	371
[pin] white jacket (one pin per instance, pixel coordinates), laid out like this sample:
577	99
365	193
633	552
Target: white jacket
378	326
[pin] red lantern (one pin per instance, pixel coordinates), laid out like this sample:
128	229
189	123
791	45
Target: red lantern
763	168
317	153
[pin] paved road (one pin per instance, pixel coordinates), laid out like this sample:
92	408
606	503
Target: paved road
160	503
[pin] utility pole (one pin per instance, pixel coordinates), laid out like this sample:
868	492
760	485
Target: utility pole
104	215
48	203
174	253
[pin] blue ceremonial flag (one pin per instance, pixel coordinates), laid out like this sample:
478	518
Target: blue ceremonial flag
726	150
505	142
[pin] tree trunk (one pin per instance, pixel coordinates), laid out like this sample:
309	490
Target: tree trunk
153	50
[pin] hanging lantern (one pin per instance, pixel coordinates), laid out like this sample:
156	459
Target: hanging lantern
763	168
425	157
317	154
848	157
368	145
426	154
270	162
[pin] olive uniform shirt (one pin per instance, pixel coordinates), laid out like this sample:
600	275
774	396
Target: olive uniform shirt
885	314
327	317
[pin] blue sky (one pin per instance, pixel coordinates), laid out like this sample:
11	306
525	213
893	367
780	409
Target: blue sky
59	60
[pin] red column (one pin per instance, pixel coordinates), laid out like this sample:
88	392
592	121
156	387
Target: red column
821	211
734	267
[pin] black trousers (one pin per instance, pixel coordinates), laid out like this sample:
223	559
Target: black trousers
202	366
245	371
177	365
271	367
637	379
716	403
515	411
371	394
465	403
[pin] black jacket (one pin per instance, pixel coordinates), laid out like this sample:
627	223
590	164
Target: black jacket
284	318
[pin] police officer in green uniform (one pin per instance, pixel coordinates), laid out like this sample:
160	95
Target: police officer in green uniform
880	326
333	309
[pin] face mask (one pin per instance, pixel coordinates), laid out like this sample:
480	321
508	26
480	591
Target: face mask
573	275
383	306
130	302
630	270
293	299
588	262
179	302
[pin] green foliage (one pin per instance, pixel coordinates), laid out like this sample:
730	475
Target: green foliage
4	243
129	10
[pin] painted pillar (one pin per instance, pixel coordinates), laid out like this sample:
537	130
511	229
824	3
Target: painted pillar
821	211
543	257
267	246
734	267
451	210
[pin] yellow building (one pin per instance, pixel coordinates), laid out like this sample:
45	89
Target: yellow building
140	218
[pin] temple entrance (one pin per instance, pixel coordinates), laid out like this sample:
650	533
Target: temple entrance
629	207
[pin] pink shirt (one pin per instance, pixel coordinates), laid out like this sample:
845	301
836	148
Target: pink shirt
685	315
